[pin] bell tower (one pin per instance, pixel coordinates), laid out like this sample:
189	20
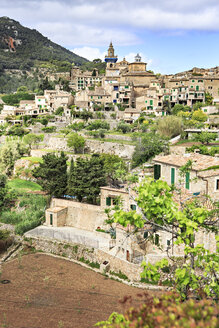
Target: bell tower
110	57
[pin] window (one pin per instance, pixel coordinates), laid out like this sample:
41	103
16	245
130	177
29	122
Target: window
108	201
172	175
193	80
51	219
133	207
126	87
116	87
145	234
157	169
151	102
197	88
187	180
157	239
217	184
168	242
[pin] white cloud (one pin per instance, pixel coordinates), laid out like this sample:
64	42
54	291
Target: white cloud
93	23
89	53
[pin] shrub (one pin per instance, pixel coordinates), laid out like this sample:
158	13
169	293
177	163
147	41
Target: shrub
49	129
17	130
98	124
123	127
32	214
169	126
199	115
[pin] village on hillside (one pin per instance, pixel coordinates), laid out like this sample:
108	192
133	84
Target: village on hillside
117	170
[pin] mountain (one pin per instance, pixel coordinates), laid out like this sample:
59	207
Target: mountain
21	47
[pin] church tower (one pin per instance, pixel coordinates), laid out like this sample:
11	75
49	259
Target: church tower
110	57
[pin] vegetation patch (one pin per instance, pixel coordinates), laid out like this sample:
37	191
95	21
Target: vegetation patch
28	214
119	274
23	185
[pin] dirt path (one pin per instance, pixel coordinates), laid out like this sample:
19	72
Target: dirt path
48	292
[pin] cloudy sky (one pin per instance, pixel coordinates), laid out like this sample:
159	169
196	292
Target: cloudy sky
171	35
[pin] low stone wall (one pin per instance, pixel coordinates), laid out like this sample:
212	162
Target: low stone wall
131	270
122	150
83	253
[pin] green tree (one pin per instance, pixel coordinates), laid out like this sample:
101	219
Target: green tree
98	124
76	142
59	111
22	88
208	99
112	165
32	139
167	106
147	147
199	115
44	121
3	190
205	137
178	108
11	150
86	178
52	174
46	85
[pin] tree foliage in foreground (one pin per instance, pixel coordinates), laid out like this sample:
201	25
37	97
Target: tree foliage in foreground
166	311
52	174
198	274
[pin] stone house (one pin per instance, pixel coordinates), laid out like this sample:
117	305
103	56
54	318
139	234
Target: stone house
203	178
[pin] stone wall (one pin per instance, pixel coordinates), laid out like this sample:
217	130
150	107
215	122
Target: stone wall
122	150
79	252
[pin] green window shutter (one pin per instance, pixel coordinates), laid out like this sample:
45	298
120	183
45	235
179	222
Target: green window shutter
51	219
108	201
205	110
172	175
157	239
157	169
133	207
162	113
187	180
197	88
151	102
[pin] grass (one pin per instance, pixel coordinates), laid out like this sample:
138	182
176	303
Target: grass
124	142
26	214
184	141
34	160
23	185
